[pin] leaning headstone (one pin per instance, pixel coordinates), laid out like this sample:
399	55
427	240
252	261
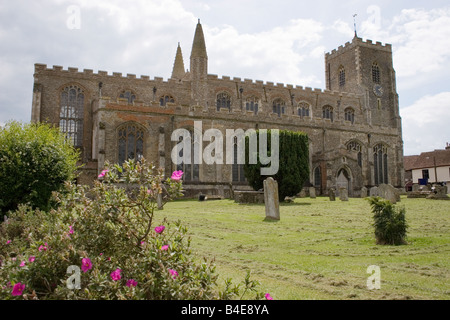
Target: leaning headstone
271	199
388	192
343	194
312	192
332	194
415	187
374	192
363	192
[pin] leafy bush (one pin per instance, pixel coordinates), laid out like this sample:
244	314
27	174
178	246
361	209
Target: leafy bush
389	222
109	233
35	160
293	160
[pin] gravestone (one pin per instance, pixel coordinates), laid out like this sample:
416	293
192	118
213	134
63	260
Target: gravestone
374	192
415	187
312	192
332	194
343	194
271	199
388	192
363	192
439	193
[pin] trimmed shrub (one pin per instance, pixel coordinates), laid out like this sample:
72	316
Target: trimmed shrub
35	160
108	231
293	159
389	222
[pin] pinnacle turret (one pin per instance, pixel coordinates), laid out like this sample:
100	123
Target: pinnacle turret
178	66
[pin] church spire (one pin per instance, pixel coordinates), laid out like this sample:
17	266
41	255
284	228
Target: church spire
178	66
199	46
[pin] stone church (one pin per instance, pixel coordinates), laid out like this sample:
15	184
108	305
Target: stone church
354	126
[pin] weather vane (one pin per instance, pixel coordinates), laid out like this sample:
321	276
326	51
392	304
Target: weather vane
354	23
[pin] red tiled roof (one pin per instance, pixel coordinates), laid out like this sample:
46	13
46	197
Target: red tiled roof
427	160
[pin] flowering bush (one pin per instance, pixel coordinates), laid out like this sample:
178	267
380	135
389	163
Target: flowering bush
107	232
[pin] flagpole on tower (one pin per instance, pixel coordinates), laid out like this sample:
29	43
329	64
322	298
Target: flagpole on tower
354	24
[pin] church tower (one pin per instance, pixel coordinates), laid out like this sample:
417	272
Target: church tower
199	68
366	68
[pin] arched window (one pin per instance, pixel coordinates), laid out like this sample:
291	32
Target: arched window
223	101
327	113
71	114
380	163
354	146
350	115
166	99
131	143
237	169
317	177
341	76
303	110
191	170
129	95
278	107
252	104
375	73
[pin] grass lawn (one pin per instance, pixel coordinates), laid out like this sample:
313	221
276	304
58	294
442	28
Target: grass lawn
321	249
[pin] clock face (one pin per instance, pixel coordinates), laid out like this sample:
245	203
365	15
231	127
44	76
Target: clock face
378	90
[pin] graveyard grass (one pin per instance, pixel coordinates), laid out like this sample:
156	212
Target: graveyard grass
321	249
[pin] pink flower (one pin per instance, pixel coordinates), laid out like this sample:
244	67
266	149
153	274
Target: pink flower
71	229
101	253
268	296
159	229
43	248
103	173
173	273
131	283
22	264
165	248
86	264
31	259
176	175
18	289
115	275
8	242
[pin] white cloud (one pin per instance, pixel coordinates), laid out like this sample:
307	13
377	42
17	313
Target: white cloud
426	124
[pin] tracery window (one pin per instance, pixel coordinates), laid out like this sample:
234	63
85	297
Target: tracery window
303	110
71	114
131	143
223	101
191	171
317	177
375	73
252	104
278	107
380	161
166	99
341	76
350	115
129	95
327	113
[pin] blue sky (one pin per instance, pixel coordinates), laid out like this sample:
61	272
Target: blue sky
279	41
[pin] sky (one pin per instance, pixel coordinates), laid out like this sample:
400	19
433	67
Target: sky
281	41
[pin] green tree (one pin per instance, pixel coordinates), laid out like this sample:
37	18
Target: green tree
35	160
293	159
